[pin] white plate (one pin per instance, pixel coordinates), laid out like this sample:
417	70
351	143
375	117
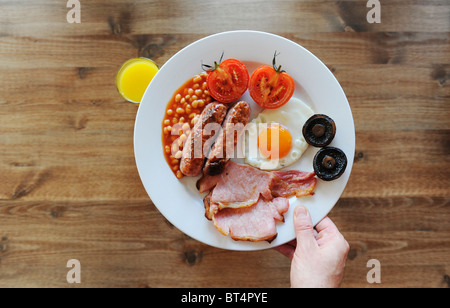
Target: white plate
179	201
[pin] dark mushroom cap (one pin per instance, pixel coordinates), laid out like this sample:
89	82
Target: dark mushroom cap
329	163
319	130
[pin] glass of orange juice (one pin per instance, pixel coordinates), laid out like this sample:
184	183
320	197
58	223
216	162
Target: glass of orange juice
133	78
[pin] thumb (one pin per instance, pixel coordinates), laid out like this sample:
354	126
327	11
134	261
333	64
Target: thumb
304	228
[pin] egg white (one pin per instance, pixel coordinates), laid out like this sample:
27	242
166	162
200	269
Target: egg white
292	116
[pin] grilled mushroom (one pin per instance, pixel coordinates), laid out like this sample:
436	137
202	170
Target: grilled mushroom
329	163
319	130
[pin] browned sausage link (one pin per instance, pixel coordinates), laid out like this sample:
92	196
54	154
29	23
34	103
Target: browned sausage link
193	152
232	129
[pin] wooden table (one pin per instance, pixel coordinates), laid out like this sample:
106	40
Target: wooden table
69	188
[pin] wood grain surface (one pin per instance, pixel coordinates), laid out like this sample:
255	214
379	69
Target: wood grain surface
69	188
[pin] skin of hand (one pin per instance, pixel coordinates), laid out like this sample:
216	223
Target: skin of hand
318	254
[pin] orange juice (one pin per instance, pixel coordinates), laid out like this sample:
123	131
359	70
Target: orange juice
134	77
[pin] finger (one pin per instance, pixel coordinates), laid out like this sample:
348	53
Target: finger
304	229
327	231
326	224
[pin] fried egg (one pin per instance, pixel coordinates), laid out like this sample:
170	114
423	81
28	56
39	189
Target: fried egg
274	139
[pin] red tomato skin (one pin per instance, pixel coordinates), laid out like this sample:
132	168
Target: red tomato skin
271	89
222	83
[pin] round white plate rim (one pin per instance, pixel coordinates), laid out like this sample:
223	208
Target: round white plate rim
205	231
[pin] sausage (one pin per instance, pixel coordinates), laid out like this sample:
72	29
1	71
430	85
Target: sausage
232	128
201	138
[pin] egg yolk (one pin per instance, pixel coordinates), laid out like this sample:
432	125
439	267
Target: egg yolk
274	142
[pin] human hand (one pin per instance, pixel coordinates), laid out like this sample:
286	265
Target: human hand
318	254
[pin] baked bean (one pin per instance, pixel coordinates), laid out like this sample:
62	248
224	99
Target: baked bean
185	126
197	78
184	107
178	98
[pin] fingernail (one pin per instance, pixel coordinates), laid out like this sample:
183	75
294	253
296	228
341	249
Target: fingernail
301	211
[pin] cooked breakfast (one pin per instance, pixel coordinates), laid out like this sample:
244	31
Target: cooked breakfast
206	121
253	223
193	155
329	163
232	129
274	140
319	130
242	185
181	114
243	189
228	80
270	86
